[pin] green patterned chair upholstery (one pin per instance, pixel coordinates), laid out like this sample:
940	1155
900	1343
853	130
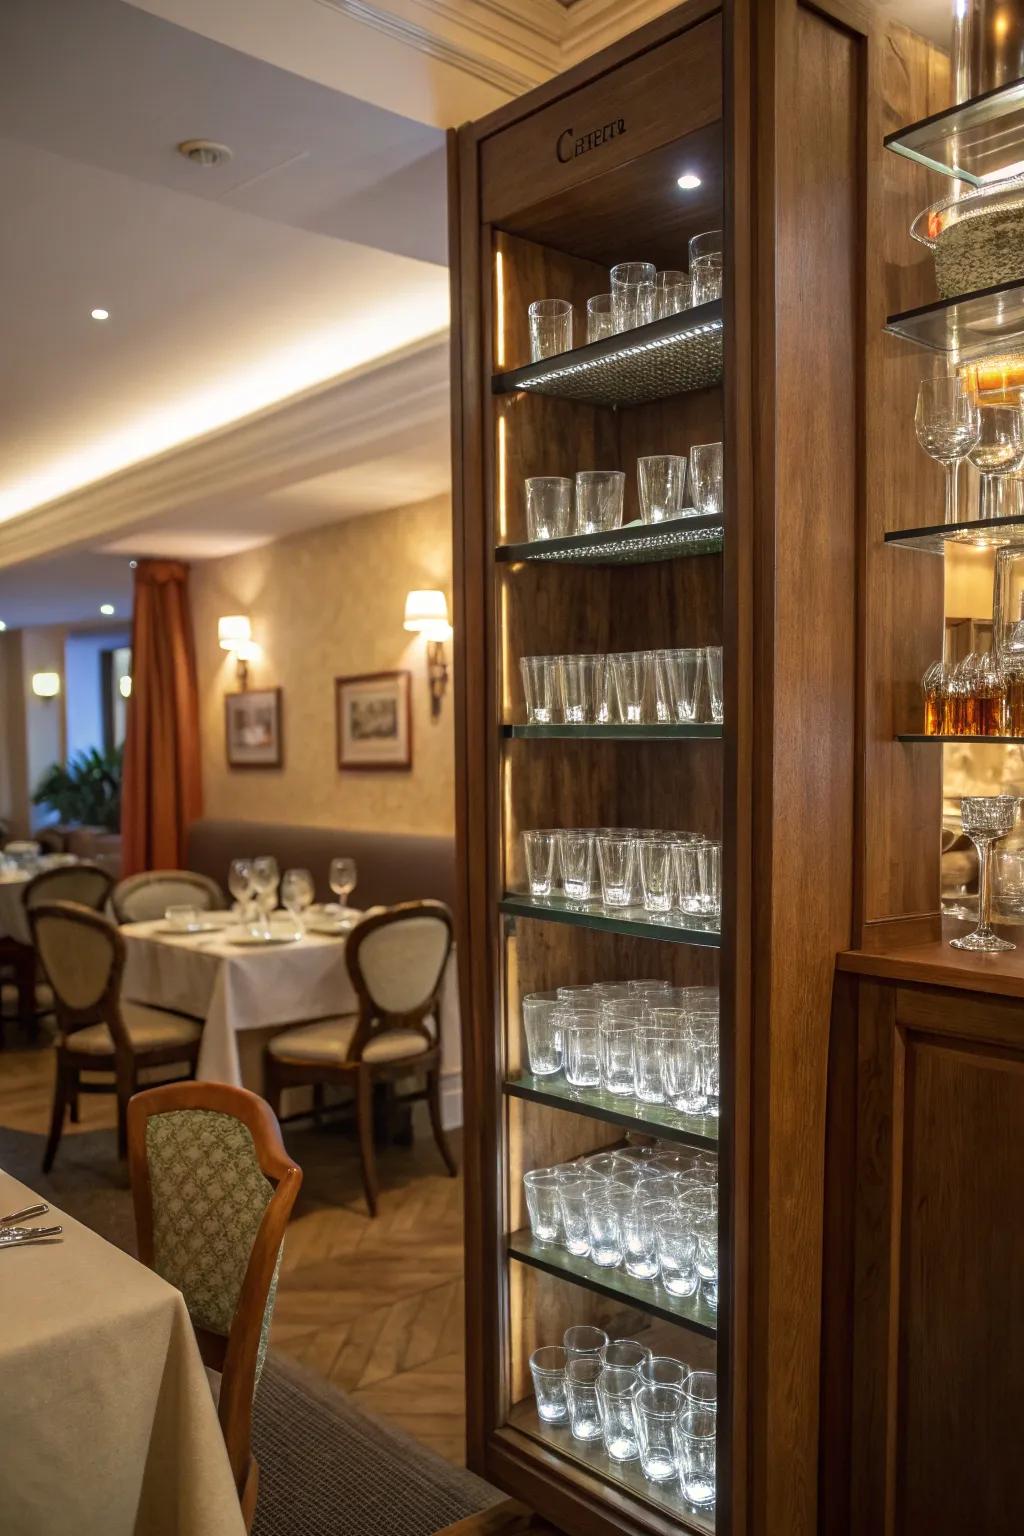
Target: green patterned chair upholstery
213	1190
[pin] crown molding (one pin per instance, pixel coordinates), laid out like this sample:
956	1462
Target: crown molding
303	436
591	25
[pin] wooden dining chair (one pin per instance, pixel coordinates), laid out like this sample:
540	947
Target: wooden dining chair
85	884
141	898
213	1188
100	1032
396	960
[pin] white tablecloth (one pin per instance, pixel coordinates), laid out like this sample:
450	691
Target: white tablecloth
107	1422
13	920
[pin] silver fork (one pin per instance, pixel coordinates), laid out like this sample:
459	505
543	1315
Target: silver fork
11	1237
30	1210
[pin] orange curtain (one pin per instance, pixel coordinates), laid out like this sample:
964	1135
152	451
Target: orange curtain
162	789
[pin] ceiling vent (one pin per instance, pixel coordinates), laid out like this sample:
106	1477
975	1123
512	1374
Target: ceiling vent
204	152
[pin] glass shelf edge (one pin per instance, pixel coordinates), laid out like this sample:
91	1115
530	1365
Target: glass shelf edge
689	1130
699	731
992	533
963	741
634	544
519	905
956	125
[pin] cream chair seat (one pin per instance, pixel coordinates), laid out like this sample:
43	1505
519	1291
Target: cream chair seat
148	1029
330	1039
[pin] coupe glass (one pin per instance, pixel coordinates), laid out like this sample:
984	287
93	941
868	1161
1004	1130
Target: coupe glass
947	426
343	879
997	451
297	892
985	819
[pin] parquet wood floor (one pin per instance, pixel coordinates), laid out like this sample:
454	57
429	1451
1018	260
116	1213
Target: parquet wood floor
374	1306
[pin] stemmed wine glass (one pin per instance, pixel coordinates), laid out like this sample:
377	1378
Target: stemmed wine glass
265	879
999	451
240	885
947	426
297	892
985	819
343	879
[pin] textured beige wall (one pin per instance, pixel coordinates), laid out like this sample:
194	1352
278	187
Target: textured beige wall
328	604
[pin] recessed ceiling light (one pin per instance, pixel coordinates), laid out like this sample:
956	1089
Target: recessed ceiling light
100	314
133	565
205	152
106	609
688	181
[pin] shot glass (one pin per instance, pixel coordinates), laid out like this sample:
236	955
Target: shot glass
539	688
576	863
639	1239
705	1229
663	1371
582	1342
581	1046
600	319
706	478
677	681
657	1410
677	1254
581	1393
550	328
539	848
649	1047
672	293
599	495
625	1353
632	284
631	678
583	688
713	672
617	1043
662	484
543	1034
541	1186
615	1388
655	858
547	1367
693	1436
548	506
606	1207
709	878
616	858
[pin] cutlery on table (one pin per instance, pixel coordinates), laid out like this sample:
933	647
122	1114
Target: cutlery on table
10	1237
30	1210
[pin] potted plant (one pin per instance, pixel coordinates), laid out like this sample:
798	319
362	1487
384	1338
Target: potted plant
86	790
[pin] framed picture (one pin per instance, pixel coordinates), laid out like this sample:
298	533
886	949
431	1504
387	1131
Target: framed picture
374	720
253	728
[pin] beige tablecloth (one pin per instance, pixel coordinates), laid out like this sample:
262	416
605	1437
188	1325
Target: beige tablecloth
13	920
107	1423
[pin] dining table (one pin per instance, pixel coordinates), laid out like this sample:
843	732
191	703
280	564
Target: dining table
107	1419
13	917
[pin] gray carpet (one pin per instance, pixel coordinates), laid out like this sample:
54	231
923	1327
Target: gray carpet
326	1468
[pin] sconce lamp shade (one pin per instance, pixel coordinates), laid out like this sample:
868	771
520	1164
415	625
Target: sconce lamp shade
46	685
426	613
234	630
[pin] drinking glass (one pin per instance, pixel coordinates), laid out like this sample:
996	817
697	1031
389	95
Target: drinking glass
657	1410
611	991
685	874
677	1253
265	878
342	879
541	1186
997	451
948	426
607	1165
693	1435
713	668
547	1367
615	1388
624	1353
707	1061
297	892
550	328
539	688
576	862
677	676
672	293
583	689
705	1230
706	264
606	1207
543	1034
649	1046
630	674
581	1378
709	877
183	917
240	884
599	499
582	1342
539	847
600	318
548	506
616	856
662	483
572	1198
701	1390
663	1371
655	858
706	478
581	1046
639	1238
617	1041
985	819
632	294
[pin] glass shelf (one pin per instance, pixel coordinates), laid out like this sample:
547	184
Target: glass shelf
979	141
688	732
633	922
975	325
663	1497
993	533
667	357
635	544
646	1295
668	1124
969	741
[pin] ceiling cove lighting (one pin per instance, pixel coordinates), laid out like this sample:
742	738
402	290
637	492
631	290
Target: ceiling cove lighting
107	610
100	314
689	181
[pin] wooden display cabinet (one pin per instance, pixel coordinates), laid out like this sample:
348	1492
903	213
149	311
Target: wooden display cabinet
779	108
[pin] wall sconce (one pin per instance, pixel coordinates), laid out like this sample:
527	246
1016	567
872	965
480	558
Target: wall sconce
426	613
46	685
234	633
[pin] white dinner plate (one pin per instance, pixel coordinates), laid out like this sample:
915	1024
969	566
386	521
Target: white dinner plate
261	941
336	929
193	929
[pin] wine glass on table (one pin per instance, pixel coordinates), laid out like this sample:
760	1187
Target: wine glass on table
265	879
240	885
986	819
948	426
343	879
297	892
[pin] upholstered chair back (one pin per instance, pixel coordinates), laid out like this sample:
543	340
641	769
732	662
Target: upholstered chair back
396	960
85	884
83	956
143	898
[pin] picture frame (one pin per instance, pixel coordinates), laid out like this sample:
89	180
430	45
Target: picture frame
374	722
253	728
